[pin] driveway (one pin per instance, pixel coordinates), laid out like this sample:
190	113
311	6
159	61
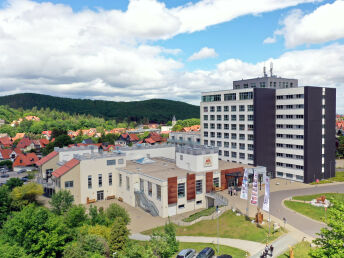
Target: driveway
298	221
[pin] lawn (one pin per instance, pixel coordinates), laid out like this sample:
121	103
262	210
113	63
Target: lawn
202	213
231	226
336	196
301	250
234	252
338	178
306	209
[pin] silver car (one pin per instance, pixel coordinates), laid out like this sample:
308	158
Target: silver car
186	253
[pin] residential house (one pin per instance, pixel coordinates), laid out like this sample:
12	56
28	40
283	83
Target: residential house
25	144
126	138
18	136
154	138
32	118
6	142
5	154
25	161
194	128
47	134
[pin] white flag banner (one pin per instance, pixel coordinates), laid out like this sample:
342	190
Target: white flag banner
266	204
254	194
244	186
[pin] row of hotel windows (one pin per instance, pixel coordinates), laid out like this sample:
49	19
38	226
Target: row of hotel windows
226	126
199	187
228	97
301	106
241	108
100	180
289	116
262	85
296	96
242	146
282	126
234	155
250	137
290	156
286	165
226	117
289	146
289	136
288	175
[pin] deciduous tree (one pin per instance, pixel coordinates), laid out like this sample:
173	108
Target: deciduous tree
119	235
61	201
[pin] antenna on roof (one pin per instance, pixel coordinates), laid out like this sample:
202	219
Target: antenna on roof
271	68
264	71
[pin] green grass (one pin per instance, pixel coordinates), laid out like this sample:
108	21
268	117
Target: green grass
202	213
336	196
317	213
301	250
234	252
338	178
231	226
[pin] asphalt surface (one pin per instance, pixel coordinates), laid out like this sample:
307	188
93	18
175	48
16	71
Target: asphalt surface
11	174
298	221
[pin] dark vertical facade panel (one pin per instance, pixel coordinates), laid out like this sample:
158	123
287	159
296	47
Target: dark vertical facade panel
172	190
330	132
209	182
264	102
224	184
190	186
312	133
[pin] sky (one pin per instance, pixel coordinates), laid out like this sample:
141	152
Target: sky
128	50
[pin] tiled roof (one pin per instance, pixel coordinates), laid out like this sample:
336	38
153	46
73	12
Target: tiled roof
6	141
149	140
25	160
133	137
5	153
66	167
44	142
18	136
47	158
23	143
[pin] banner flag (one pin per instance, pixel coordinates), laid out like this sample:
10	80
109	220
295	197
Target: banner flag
254	194
266	204
244	186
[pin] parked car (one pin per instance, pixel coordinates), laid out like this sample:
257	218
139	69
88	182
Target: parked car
5	175
225	256
21	171
186	253
206	253
24	179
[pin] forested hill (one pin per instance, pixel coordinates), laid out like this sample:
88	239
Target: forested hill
155	110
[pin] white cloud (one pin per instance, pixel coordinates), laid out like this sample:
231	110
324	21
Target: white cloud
203	54
323	25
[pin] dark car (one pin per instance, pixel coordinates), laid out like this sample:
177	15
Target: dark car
5	175
21	171
24	179
225	256
206	253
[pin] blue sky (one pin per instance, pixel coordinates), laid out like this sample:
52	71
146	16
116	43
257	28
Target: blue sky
140	49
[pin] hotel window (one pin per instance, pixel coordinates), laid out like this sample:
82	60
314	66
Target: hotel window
205	134
233	117
212	117
219	144
290	96
100	180
299	167
205	126
242	118
280	174
234	154
289	136
205	117
299	177
219	126
233	145
250	127
242	127
198	186
241	146
289	106
279	107
212	143
212	126
241	136
120	179
226	117
262	84
250	137
212	134
242	108
250	146
280	97
250	118
226	153
289	175
226	126
212	109
250	156
242	155
225	108
158	192
128	183
218	108
280	145
110	178
279	116
211	98
121	161
299	96
233	136
181	190
289	146
234	127
226	144
206	142
245	95
89	182
233	108
289	156
245	85
150	189
299	116
279	164
290	126
205	109
219	135
111	162
300	147
279	135
253	85
279	126
230	96
68	184
250	108
279	154
226	135
216	182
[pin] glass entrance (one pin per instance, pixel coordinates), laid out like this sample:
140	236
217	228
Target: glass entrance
100	195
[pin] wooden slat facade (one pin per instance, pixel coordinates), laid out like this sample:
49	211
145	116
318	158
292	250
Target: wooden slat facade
209	181
191	186
172	190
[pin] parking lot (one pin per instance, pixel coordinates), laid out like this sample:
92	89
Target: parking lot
11	174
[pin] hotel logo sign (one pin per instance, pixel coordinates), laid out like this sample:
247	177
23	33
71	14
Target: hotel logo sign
208	162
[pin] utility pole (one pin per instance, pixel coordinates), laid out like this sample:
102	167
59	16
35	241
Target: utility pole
218	246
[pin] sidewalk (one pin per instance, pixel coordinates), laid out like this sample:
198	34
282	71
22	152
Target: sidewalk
248	246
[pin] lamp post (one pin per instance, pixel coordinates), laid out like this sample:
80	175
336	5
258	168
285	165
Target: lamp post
218	246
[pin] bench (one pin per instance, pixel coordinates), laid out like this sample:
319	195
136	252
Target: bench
110	197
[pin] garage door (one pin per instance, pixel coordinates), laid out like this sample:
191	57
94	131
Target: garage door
172	210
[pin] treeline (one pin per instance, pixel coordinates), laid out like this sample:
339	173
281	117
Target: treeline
185	123
154	110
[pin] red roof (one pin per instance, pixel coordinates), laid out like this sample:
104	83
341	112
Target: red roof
66	167
149	140
47	158
5	153
6	141
134	137
25	160
23	143
44	142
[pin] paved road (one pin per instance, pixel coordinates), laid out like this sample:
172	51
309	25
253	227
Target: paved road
11	174
298	221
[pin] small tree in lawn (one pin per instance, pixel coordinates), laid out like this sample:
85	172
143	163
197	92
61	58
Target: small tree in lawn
165	244
331	241
114	211
61	202
119	236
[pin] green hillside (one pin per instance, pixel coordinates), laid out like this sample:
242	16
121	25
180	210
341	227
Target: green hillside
155	110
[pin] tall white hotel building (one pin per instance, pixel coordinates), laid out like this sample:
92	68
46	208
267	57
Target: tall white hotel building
271	122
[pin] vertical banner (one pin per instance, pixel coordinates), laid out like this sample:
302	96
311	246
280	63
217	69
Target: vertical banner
244	186
266	204
254	194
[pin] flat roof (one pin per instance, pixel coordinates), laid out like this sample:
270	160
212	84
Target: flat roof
229	165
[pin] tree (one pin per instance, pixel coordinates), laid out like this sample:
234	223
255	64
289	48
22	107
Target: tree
56	132
119	235
87	246
8	250
114	211
7	163
97	217
14	182
61	201
331	241
98	230
48	148
76	216
38	231
177	128
170	231
62	140
137	250
165	244
5	203
23	195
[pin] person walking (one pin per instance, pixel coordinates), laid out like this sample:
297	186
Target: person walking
271	250
234	192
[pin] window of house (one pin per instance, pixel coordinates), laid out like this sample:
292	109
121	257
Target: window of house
250	137
280	174
233	117
289	175
233	145
111	162
219	144
220	151
212	134
198	186
233	136
212	117
226	117
245	95
211	98
216	181
226	135
242	155
110	178
226	144
242	127
89	182
128	183
158	192
68	184
218	117
250	156
100	180
241	118
241	146
205	133
150	189
181	190
250	127
250	108
205	126
250	146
